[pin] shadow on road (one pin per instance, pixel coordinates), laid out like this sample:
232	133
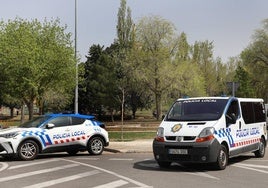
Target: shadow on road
151	165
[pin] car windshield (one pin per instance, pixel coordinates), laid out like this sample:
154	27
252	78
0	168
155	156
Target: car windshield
36	122
196	110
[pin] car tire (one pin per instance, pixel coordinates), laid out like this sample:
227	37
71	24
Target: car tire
261	151
28	150
95	146
222	159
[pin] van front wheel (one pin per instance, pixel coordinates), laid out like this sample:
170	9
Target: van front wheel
261	151
222	159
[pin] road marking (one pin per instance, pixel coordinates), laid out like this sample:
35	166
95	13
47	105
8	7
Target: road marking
109	172
62	180
32	164
114	184
27	174
120	159
249	167
202	174
252	165
89	159
4	166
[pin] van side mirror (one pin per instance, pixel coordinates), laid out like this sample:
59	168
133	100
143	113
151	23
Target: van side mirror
230	118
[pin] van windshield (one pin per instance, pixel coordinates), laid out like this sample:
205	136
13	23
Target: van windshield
196	110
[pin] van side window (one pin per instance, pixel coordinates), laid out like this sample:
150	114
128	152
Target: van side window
233	109
253	112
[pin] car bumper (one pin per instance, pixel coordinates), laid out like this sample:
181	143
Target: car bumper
6	147
204	152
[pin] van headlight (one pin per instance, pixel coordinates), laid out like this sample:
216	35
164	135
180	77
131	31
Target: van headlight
206	134
10	135
160	134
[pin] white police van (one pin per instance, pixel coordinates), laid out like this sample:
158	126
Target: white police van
211	130
54	133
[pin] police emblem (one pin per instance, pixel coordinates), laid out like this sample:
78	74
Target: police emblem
176	128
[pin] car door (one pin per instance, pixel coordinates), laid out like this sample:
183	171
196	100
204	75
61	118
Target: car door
77	130
60	132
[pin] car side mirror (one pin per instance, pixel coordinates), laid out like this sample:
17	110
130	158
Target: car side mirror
50	126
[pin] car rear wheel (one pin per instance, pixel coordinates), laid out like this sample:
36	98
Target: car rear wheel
28	150
95	146
261	151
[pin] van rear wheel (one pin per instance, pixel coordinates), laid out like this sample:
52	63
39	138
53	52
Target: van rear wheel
261	151
222	159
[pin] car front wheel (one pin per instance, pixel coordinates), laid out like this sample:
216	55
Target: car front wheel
222	159
95	146
28	150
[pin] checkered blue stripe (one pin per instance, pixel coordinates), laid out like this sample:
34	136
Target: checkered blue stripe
44	137
226	133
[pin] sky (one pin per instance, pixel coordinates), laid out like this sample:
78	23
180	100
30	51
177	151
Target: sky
229	24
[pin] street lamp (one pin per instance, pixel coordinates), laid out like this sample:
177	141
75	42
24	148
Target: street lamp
76	66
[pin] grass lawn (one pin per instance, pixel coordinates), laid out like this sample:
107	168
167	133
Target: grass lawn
130	135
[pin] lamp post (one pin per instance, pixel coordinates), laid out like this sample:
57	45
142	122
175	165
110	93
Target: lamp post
76	66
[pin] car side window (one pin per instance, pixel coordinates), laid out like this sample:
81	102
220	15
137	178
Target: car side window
60	121
77	121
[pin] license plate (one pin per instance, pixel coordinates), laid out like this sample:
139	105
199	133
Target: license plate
178	151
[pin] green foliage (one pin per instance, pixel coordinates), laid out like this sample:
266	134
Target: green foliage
255	62
36	58
245	86
98	86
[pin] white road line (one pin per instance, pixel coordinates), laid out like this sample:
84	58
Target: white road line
62	180
249	168
202	174
33	163
27	174
252	165
4	166
114	184
120	159
90	159
109	172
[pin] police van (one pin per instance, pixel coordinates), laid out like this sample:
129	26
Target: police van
211	130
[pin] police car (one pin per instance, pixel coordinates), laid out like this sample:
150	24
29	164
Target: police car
69	133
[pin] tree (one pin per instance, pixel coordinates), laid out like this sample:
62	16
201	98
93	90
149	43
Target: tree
98	88
203	56
156	41
36	57
255	61
125	40
245	86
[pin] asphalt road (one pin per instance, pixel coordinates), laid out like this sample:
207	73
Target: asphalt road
128	170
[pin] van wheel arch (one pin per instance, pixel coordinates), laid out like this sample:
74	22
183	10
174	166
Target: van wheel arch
261	151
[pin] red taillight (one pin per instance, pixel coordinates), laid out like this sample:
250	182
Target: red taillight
204	139
159	139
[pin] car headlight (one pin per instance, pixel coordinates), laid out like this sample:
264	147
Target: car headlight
206	134
160	135
10	135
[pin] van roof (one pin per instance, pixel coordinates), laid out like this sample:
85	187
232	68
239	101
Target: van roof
239	99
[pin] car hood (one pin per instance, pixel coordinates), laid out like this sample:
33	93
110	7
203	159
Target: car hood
15	129
172	128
